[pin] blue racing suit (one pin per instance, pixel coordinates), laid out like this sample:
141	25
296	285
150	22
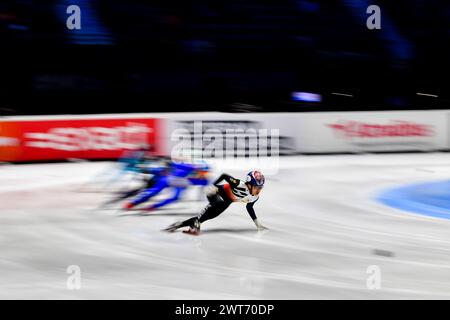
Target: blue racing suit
180	177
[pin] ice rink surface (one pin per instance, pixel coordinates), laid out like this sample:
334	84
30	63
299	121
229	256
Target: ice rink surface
326	229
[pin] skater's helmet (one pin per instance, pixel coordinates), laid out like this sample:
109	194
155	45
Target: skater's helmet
255	178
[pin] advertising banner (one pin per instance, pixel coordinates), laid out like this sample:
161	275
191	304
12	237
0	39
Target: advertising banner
373	131
81	138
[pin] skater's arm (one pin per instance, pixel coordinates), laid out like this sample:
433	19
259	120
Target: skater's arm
232	181
223	177
251	211
252	214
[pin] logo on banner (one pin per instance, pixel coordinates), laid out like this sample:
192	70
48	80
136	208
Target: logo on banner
130	136
9	142
397	128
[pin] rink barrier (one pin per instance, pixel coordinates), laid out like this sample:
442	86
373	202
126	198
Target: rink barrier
48	138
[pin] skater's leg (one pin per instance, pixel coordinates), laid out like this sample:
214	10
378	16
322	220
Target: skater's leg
123	196
213	209
216	206
148	182
175	197
148	193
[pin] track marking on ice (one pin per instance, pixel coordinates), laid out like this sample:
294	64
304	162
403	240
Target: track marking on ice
370	257
357	228
302	279
30	177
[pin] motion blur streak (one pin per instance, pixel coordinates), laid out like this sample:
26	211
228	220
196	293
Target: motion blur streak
326	230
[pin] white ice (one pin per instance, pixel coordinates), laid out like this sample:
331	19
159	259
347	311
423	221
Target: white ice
325	230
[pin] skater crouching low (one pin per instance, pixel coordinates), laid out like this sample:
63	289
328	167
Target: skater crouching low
222	195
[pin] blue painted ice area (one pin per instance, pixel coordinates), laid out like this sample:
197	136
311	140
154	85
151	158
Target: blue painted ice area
431	199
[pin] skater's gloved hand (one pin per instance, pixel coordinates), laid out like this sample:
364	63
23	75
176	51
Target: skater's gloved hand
211	190
259	226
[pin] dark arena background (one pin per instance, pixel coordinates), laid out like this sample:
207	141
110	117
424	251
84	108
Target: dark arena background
344	106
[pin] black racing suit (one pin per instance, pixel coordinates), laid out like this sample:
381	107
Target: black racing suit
219	202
